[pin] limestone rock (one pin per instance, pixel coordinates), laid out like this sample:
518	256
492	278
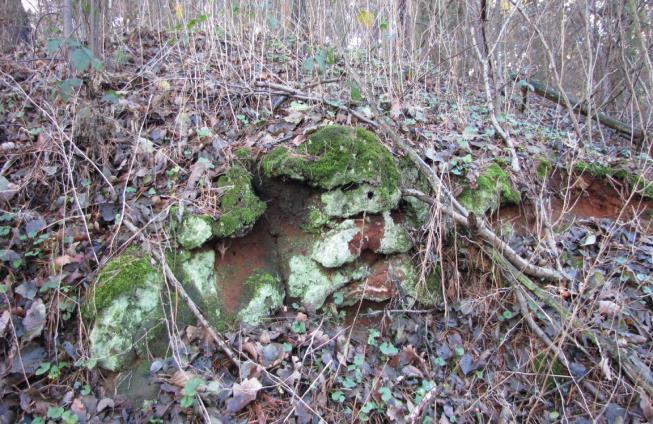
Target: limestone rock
126	309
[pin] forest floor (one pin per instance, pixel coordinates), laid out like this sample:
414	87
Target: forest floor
81	155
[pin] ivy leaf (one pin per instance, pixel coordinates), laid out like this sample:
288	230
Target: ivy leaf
388	349
338	396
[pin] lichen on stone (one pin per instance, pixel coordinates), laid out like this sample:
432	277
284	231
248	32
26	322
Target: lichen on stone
337	156
240	207
332	249
126	308
395	238
308	282
196	271
267	297
194	231
364	198
492	189
427	293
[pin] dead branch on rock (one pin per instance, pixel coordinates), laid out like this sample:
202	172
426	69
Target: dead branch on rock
219	340
453	207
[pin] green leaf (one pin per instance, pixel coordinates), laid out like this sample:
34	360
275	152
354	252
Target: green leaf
81	58
338	396
55	412
507	314
69	418
371	338
43	368
386	394
298	327
460	351
359	360
53	45
388	349
366	18
338	297
187	401
355	91
439	361
4	230
368	407
203	132
111	96
348	383
191	386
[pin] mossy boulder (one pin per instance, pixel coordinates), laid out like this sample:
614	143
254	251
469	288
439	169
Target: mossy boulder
358	172
240	207
125	308
492	189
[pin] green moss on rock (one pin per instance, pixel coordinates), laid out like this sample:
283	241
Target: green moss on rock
267	296
544	168
492	189
239	205
337	156
126	309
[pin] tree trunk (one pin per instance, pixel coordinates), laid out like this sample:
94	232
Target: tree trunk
68	19
14	25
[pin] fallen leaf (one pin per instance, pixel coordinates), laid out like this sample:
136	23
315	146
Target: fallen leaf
34	320
243	394
609	308
104	404
647	407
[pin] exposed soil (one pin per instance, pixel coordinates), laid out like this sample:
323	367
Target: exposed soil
591	198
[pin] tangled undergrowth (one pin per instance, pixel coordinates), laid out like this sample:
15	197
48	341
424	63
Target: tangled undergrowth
80	156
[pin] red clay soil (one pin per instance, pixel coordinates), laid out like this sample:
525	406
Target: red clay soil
596	199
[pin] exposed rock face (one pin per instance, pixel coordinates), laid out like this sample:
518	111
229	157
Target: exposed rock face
492	189
362	182
127	309
335	227
240	207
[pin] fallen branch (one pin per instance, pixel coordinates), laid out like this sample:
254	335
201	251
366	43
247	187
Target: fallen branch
543	90
637	371
487	235
453	208
179	288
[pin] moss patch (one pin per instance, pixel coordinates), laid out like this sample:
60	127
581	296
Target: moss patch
239	205
492	189
337	156
120	275
126	308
